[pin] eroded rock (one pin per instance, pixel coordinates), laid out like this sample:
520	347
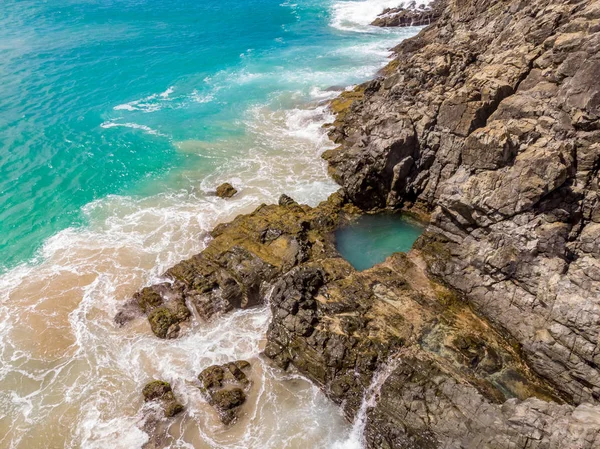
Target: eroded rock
225	387
235	268
489	119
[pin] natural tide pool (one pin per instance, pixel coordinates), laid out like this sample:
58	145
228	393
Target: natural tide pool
370	239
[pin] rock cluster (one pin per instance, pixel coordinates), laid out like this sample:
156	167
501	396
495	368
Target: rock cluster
411	15
234	271
224	386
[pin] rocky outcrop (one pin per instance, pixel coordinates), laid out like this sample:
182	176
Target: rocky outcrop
226	190
225	386
411	15
234	271
489	118
450	380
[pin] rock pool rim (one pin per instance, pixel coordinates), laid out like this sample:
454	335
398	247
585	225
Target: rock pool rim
390	232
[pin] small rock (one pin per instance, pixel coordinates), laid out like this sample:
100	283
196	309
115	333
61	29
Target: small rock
226	190
224	387
285	200
228	399
158	390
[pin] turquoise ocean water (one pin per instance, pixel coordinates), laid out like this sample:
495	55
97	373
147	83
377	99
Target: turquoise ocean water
96	96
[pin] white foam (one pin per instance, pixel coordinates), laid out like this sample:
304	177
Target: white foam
201	98
94	432
356	438
164	95
147	129
357	16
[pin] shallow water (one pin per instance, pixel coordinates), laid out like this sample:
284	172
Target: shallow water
117	121
370	239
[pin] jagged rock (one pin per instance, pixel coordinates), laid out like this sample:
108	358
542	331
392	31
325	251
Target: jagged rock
412	15
452	380
158	390
489	119
226	190
242	258
224	386
285	200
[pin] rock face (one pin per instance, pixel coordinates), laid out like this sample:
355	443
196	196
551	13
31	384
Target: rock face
412	15
489	118
452	381
226	190
224	386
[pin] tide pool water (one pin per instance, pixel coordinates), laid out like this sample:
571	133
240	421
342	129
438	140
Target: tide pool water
118	118
372	238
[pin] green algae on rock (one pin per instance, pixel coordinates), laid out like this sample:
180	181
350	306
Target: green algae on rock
225	387
244	255
161	391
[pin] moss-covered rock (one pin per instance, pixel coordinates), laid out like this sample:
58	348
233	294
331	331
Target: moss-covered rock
212	377
225	387
163	322
227	399
156	390
161	391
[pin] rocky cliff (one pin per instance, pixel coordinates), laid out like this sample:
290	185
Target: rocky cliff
487	334
490	119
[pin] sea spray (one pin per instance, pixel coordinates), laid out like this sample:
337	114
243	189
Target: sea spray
356	439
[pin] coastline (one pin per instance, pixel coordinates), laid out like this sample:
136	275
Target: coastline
485	126
455	354
57	310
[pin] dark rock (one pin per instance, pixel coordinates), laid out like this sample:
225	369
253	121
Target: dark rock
227	399
224	386
285	200
158	390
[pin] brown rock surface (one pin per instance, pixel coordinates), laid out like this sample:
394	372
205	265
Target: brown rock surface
226	190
